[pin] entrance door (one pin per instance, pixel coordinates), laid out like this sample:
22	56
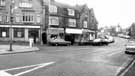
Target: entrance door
34	33
44	38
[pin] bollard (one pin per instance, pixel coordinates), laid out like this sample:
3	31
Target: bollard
31	42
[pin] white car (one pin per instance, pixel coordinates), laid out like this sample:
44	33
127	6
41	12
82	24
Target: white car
130	47
110	39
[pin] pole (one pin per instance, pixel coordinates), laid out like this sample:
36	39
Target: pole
11	20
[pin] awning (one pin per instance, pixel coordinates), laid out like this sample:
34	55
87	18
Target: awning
86	30
73	31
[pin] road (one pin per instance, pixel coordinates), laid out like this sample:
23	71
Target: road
68	61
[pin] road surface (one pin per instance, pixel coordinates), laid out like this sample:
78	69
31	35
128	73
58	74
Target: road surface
68	61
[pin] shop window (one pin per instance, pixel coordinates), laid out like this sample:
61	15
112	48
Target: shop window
33	33
4	32
19	33
61	35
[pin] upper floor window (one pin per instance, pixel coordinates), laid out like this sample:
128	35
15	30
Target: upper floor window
71	12
28	17
85	25
53	20
52	9
18	18
2	2
72	22
38	18
0	18
25	4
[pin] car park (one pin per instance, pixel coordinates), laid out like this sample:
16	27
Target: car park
130	47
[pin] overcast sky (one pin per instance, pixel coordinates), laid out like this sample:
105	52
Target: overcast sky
110	12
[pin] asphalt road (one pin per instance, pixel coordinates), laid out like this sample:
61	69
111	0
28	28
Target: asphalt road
68	61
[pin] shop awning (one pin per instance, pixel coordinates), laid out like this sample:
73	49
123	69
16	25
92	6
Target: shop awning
86	30
73	31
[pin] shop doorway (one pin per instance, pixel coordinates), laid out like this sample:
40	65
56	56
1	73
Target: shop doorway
34	33
70	37
44	38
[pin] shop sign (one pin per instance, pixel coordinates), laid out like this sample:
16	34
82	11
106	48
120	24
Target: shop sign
74	31
55	30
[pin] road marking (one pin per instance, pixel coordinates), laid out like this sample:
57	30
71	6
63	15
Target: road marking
111	54
38	67
125	71
3	73
23	67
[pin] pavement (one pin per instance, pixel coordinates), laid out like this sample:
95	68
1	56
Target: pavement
4	49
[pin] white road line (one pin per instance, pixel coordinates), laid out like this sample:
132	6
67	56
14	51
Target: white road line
40	66
22	67
3	73
111	54
127	69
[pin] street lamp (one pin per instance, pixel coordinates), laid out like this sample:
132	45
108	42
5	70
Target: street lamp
10	30
11	22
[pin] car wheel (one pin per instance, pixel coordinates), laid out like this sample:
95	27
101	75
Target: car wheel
127	52
68	44
56	44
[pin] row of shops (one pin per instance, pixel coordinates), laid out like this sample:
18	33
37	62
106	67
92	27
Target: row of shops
72	34
24	33
20	33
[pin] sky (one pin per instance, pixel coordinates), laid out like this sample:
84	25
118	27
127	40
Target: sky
109	12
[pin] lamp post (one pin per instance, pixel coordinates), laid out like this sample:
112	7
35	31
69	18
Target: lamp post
11	22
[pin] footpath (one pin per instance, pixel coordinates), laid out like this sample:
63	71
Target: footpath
4	49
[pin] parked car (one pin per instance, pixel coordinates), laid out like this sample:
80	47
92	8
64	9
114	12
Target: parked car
59	41
130	47
110	39
97	41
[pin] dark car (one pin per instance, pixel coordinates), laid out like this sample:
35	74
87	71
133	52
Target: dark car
130	47
59	41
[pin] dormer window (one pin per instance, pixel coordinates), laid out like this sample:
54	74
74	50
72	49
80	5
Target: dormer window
25	5
52	9
2	2
71	12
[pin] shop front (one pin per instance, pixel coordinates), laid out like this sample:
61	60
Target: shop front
20	33
73	35
88	34
79	36
55	32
